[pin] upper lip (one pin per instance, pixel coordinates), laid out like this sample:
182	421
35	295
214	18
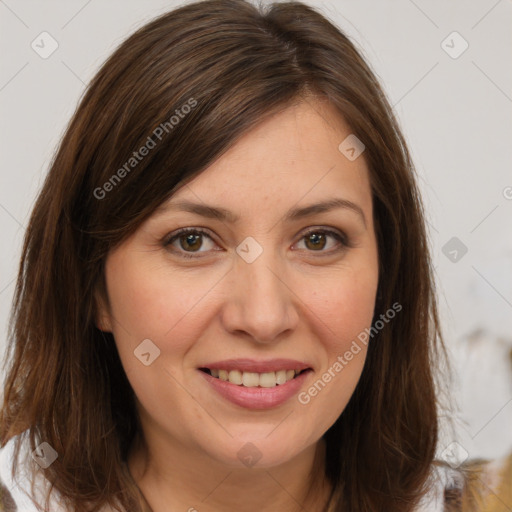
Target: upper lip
253	365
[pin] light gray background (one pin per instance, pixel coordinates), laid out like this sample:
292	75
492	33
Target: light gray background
455	113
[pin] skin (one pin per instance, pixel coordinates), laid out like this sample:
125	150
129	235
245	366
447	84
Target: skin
296	300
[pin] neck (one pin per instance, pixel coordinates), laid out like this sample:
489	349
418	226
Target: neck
173	477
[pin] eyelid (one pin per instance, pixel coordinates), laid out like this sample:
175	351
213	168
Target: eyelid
181	231
171	237
338	235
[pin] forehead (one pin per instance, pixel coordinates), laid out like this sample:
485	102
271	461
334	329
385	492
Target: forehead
292	157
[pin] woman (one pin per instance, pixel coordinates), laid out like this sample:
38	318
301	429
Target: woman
235	208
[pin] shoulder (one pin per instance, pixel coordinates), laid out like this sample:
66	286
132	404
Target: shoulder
12	497
7	503
475	486
15	492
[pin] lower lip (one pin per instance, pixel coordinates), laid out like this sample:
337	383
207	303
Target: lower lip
256	398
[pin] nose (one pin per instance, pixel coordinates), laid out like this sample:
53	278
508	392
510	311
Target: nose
260	304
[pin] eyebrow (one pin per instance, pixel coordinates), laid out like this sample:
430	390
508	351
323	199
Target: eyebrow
219	213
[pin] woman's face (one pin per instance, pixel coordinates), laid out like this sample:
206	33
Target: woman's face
277	273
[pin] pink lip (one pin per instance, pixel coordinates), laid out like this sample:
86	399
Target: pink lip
252	365
256	398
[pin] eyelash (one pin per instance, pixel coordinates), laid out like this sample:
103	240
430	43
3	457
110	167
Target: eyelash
341	238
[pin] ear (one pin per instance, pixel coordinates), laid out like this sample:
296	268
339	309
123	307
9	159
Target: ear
102	315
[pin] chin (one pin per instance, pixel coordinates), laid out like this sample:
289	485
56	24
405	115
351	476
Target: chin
259	451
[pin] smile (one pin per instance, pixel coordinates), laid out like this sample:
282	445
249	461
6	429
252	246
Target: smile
253	379
255	384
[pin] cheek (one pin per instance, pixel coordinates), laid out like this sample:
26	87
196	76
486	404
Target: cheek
168	308
344	304
340	312
154	303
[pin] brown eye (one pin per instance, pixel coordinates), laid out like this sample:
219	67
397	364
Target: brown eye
191	242
186	242
315	241
323	241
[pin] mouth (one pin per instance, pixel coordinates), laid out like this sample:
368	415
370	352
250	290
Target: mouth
254	379
253	384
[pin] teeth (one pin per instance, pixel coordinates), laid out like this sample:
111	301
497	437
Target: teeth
252	379
281	376
268	380
235	377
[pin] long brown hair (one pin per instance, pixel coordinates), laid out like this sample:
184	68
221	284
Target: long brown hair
233	64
